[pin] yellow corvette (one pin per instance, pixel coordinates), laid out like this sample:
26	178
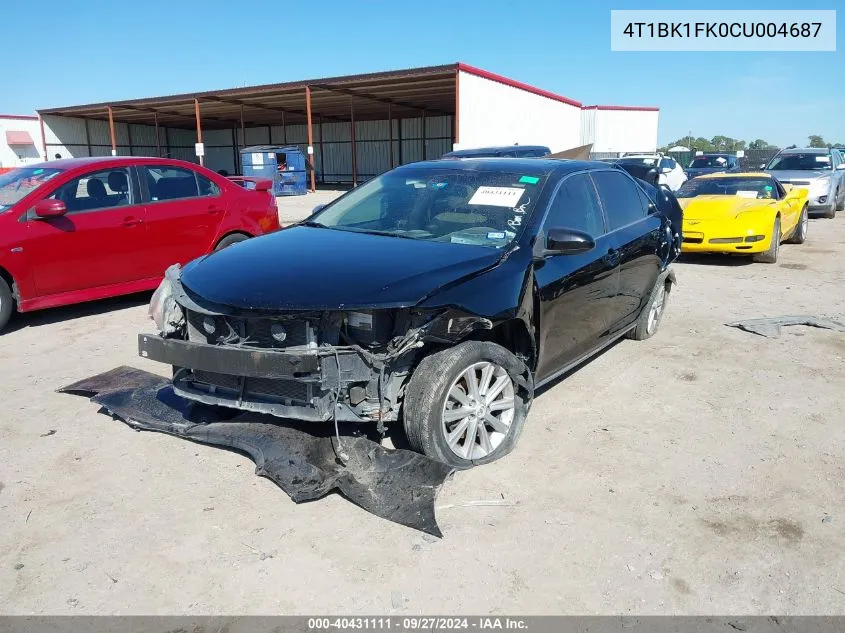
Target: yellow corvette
742	214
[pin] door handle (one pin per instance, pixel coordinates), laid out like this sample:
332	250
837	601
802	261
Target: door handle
132	221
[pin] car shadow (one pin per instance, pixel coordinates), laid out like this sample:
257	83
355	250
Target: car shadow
714	259
76	311
550	385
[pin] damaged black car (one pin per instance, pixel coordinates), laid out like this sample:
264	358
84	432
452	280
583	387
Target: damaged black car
438	295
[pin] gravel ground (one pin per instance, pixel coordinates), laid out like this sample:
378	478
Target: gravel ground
698	472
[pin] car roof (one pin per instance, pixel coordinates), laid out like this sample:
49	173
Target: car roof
510	165
725	154
735	174
806	150
105	161
498	148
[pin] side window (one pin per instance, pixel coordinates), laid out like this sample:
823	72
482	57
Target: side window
170	183
620	198
206	187
102	189
576	206
667	163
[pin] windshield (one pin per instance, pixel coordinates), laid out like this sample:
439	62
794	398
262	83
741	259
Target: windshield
649	161
18	183
801	162
709	161
483	208
761	188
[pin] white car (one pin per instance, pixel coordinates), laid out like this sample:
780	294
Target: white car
669	172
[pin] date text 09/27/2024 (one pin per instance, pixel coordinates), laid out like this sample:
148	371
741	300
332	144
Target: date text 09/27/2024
722	29
420	623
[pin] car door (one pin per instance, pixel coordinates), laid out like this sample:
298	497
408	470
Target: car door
575	291
789	205
183	211
675	176
637	231
98	242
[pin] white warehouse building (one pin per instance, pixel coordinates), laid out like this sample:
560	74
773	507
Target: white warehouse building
352	127
20	141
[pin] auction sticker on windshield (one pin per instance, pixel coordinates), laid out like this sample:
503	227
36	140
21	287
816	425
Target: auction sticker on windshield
497	196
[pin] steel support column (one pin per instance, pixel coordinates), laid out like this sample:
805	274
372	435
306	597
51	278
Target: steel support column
424	148
236	151
43	137
390	134
322	151
284	130
158	141
310	138
88	136
243	129
199	127
354	150
111	132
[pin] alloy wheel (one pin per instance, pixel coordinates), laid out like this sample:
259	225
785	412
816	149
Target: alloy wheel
479	410
656	308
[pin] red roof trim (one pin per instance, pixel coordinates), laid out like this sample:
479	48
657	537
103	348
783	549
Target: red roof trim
478	72
614	107
19	117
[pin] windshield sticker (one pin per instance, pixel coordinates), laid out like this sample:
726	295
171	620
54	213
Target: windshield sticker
439	185
746	194
497	196
418	184
37	171
496	235
519	212
822	159
529	180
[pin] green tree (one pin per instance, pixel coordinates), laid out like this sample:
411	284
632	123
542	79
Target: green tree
726	144
816	141
759	144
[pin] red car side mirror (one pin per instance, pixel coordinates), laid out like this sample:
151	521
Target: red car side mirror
50	208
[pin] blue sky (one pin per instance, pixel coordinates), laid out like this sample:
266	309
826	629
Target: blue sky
94	51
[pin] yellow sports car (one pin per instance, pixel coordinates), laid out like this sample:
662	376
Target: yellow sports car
743	214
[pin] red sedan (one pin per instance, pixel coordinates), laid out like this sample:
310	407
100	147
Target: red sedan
89	228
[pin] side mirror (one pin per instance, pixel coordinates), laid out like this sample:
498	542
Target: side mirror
665	170
762	165
563	241
840	166
50	208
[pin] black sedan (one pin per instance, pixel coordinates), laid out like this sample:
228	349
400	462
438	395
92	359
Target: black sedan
439	294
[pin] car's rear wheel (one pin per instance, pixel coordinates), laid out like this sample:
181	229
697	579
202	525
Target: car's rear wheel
7	303
466	405
841	205
652	314
770	256
799	235
831	211
234	238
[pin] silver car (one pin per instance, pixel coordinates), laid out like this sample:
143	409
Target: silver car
820	169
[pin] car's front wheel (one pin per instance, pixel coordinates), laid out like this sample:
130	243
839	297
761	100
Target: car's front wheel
466	405
770	255
799	235
7	303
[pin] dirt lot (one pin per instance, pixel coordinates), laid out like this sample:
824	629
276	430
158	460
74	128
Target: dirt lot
698	472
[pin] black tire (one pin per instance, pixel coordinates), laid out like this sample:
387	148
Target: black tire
830	213
427	394
840	206
234	238
646	324
7	304
770	256
799	235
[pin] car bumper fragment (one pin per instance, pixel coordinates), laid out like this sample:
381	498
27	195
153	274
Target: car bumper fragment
397	485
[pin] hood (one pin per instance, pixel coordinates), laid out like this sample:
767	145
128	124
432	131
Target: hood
308	268
719	207
797	175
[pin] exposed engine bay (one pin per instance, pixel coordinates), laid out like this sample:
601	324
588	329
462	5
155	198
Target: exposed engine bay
313	365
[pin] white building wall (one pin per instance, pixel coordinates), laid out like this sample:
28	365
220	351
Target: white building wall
20	155
617	130
493	113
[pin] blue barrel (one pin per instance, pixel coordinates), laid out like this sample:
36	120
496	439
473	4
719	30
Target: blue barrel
285	166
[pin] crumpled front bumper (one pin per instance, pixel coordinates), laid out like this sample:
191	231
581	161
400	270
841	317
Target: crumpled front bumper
304	384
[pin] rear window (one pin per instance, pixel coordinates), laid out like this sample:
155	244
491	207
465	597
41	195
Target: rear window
709	161
19	183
